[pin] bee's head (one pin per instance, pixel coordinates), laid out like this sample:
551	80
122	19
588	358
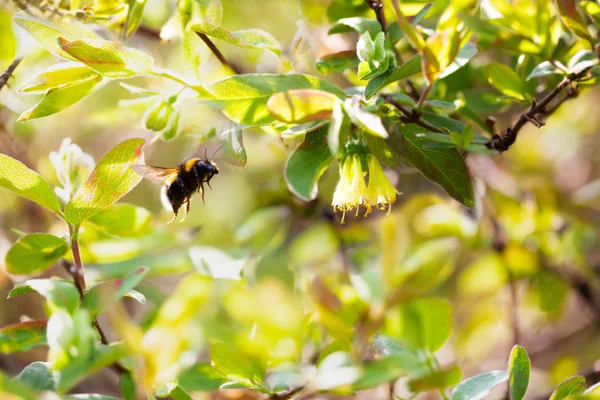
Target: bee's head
214	168
205	169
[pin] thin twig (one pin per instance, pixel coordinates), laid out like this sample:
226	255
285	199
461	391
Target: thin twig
287	395
9	71
411	115
217	53
423	96
503	143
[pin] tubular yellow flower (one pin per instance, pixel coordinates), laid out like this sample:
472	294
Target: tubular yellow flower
380	191
351	190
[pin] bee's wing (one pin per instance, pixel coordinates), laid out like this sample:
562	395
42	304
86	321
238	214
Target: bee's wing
156	174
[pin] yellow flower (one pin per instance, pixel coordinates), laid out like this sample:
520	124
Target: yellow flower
351	190
380	191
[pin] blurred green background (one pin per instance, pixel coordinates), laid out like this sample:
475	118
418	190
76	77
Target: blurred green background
523	267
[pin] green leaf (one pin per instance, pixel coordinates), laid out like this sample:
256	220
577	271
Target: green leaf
9	42
338	62
483	28
582	60
436	380
519	368
507	81
302	105
248	39
22	336
102	357
47	30
464	55
102	295
308	162
60	98
180	394
109	181
410	33
39	377
58	75
479	386
445	167
108	58
593	10
233	146
11	386
128	386
19	179
243	98
59	292
122	220
235	366
411	67
365	47
388	346
135	10
573	19
358	24
568	387
302	129
369	122
35	253
389	368
543	69
440	104
88	396
427	323
201	377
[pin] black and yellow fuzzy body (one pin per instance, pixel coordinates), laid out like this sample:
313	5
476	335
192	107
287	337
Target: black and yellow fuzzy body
180	183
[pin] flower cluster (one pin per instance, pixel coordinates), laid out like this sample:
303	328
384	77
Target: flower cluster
352	190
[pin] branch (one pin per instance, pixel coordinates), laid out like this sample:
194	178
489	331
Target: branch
411	115
377	7
503	143
9	71
76	271
287	395
217	53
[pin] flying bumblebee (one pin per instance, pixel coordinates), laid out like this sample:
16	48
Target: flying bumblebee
180	183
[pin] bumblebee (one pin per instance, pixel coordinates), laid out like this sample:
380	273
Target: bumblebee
180	183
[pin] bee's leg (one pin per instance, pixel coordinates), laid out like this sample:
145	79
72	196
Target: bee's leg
187	209
208	183
172	219
201	190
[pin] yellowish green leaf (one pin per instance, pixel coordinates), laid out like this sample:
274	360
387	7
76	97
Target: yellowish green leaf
58	75
34	253
108	58
19	179
300	106
60	98
110	180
